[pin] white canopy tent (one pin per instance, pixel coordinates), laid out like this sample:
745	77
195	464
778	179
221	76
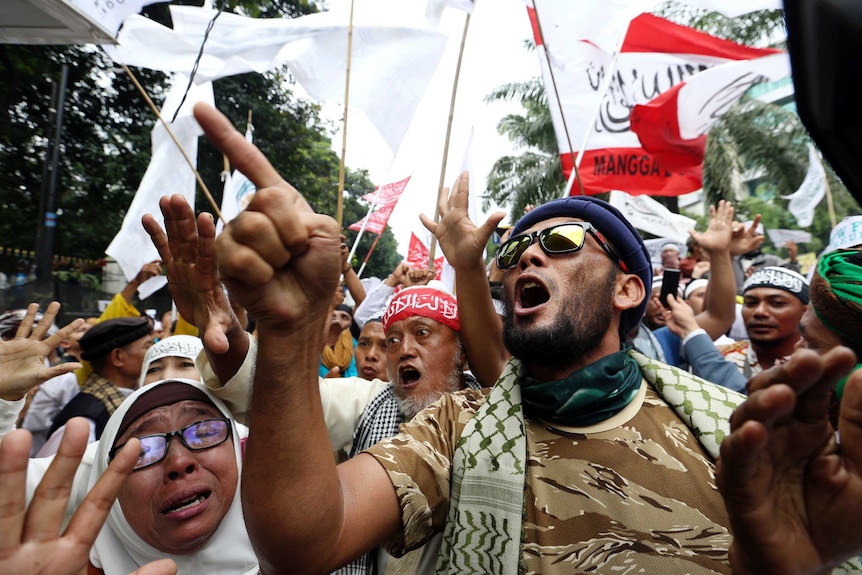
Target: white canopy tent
49	22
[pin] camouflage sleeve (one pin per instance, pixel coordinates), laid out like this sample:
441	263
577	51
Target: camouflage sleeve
418	461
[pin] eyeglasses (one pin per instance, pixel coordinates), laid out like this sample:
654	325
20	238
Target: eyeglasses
558	239
196	437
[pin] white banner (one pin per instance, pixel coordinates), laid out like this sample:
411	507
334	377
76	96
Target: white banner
810	192
648	215
601	64
846	234
779	238
168	173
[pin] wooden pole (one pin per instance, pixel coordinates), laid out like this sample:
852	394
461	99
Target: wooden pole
174	138
368	256
341	167
829	201
433	247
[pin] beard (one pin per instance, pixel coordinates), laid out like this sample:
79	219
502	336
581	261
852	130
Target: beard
576	331
419	399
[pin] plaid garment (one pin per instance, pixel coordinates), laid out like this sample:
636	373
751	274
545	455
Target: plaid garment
380	419
103	390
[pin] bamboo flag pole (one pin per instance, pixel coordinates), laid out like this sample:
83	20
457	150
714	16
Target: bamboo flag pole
341	167
368	256
829	201
446	143
575	173
174	138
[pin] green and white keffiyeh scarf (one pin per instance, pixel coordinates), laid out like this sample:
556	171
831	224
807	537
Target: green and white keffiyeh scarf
486	506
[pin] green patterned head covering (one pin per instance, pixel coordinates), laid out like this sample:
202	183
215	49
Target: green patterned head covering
836	294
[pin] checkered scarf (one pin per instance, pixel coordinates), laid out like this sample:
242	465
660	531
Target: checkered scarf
486	499
380	419
103	390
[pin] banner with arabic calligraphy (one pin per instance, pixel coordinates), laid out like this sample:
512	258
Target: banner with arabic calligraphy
654	56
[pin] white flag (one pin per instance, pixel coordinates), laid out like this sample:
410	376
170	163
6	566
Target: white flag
648	215
394	54
434	9
110	14
673	126
168	173
810	192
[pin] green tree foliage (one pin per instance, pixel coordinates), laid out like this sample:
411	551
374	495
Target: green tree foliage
106	124
535	176
106	140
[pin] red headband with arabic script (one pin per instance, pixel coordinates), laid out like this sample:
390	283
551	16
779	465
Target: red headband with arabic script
425	302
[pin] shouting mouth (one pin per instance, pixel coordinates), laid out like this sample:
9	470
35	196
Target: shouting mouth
531	294
409	376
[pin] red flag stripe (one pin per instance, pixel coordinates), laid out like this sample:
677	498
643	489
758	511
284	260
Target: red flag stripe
631	170
648	33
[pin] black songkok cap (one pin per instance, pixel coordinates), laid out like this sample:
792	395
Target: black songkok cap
110	334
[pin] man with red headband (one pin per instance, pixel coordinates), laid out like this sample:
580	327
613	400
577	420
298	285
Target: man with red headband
584	456
424	360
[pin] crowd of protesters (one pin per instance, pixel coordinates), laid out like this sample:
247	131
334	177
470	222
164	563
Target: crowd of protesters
557	415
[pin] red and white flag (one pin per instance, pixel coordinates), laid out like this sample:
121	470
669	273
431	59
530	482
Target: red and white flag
387	195
654	56
376	221
673	126
417	255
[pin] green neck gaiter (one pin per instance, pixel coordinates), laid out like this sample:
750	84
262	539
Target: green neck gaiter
587	396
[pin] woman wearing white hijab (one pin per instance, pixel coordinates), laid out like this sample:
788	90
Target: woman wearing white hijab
184	502
171	357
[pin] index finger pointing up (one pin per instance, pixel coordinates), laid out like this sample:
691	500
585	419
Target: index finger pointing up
242	154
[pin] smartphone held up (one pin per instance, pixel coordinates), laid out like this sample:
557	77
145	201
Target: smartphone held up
669	285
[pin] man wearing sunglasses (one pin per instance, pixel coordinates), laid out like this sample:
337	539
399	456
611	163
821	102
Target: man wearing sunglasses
573	460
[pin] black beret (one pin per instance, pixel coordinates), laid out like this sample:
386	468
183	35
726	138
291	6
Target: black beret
110	334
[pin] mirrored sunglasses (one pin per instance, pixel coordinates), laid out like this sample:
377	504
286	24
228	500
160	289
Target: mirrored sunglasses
557	239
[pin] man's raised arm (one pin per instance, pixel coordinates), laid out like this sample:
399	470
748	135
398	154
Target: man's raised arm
281	261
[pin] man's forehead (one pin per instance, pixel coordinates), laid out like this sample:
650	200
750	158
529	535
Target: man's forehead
372	329
768	293
413	321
